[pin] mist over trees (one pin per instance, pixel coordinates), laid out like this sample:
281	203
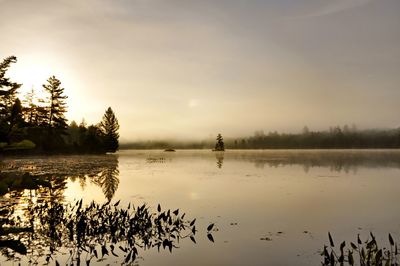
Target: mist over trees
337	137
30	122
40	124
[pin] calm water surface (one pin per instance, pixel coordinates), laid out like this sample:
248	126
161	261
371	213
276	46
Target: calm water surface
291	198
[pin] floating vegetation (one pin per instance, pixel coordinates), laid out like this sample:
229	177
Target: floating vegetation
17	175
363	253
155	160
71	165
12	181
92	233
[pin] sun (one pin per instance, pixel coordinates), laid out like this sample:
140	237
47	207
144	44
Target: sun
34	69
31	76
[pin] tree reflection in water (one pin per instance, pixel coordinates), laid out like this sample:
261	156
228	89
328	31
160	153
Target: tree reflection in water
98	169
108	180
220	159
37	226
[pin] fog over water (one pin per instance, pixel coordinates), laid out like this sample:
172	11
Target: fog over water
268	207
194	68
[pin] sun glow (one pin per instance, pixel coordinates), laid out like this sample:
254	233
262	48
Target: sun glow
32	73
31	77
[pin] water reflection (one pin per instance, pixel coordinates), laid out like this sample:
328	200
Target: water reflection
334	160
220	159
108	180
38	226
89	233
57	171
272	180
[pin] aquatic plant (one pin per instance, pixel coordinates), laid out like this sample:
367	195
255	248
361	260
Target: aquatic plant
366	253
94	232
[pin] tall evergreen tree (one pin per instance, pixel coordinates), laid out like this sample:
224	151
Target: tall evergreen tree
8	89
219	145
8	92
109	127
55	121
57	105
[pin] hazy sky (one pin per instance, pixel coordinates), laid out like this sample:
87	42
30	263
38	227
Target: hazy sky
195	68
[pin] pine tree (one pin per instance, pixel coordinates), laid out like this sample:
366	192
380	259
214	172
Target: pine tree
109	127
52	115
57	105
8	92
8	89
219	145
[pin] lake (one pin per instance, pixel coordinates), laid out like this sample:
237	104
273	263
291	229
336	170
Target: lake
269	207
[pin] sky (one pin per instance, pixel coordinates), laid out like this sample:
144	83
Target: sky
194	68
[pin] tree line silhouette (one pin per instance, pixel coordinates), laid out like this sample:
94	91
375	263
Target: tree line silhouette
335	138
40	124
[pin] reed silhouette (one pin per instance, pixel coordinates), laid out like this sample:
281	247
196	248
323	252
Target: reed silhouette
37	225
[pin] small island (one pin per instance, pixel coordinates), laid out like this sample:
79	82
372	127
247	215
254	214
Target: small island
219	145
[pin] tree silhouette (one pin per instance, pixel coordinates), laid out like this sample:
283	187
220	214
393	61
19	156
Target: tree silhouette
219	145
43	122
109	127
16	121
55	121
57	106
92	139
8	91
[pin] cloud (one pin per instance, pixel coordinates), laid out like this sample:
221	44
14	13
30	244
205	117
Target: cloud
330	7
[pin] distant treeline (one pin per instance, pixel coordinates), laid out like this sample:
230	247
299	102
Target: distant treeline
38	124
167	144
335	138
